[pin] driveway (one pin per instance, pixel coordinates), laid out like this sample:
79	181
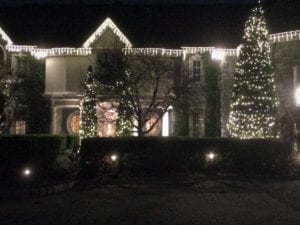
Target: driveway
172	200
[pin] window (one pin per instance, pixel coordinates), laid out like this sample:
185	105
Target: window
74	124
156	129
20	127
107	116
196	72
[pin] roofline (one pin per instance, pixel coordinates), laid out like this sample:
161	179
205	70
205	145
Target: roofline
5	37
42	53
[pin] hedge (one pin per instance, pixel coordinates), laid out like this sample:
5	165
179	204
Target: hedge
38	151
181	154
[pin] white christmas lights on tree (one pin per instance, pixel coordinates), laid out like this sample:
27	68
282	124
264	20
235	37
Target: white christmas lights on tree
88	118
254	102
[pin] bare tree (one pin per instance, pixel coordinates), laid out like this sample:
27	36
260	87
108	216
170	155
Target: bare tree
142	86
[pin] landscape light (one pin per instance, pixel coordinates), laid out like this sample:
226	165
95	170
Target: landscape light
210	156
113	157
26	172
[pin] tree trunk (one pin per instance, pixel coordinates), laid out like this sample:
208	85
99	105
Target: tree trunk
140	130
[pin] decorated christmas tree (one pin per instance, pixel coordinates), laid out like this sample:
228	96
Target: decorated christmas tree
88	119
254	103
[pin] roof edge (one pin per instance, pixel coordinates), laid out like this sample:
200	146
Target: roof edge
107	23
5	37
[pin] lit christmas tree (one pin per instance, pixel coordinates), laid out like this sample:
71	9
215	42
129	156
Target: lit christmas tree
125	109
88	119
124	127
254	103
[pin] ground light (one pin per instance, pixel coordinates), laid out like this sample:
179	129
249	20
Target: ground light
210	156
113	157
26	172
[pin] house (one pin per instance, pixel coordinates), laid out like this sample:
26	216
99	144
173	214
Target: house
65	69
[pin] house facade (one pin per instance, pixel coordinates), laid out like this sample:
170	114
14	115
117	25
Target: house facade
65	69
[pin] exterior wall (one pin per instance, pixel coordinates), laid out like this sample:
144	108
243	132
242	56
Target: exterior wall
76	70
56	75
65	74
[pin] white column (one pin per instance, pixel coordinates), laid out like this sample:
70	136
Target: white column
165	124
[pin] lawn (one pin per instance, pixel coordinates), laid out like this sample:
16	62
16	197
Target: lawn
166	200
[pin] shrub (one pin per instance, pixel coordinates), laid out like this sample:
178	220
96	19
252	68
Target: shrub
37	151
160	155
72	141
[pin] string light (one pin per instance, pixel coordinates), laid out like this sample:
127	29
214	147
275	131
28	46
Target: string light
254	101
108	23
88	118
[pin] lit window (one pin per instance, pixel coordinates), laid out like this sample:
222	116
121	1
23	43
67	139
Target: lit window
107	117
20	127
74	124
196	72
155	130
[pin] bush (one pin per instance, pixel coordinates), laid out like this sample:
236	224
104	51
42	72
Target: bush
35	151
157	155
72	141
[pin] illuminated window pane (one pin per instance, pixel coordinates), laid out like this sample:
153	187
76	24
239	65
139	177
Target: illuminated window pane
155	131
107	117
74	124
20	127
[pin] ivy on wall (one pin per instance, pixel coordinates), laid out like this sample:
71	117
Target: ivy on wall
211	90
37	107
212	76
181	122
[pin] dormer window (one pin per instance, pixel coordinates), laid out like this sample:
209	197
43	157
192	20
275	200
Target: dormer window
196	70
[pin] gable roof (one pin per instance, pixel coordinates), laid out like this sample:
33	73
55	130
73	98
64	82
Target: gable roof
5	37
108	23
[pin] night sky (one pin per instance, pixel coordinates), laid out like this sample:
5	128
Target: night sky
20	2
208	23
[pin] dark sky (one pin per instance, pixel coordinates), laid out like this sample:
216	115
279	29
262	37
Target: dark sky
218	23
20	2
